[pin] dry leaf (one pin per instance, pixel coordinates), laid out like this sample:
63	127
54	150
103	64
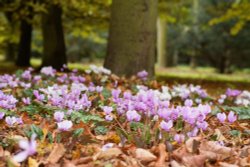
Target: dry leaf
194	161
108	154
174	163
224	164
162	156
32	162
221	152
57	152
144	155
192	144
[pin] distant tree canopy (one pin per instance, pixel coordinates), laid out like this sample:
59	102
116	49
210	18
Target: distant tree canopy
195	32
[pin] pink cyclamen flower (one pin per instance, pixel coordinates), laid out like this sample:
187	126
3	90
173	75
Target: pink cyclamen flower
221	117
188	102
29	148
132	115
107	146
142	75
49	71
11	120
107	109
64	125
108	118
2	115
26	100
231	117
179	138
58	116
202	125
233	92
98	89
166	125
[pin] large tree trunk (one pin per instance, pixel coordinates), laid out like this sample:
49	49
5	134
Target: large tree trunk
132	37
24	48
54	50
162	59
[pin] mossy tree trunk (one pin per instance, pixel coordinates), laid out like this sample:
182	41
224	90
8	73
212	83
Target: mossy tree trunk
54	50
24	48
132	37
162	58
11	45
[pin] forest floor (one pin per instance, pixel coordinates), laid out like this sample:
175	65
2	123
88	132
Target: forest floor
92	118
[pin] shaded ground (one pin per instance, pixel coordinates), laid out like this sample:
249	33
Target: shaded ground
204	76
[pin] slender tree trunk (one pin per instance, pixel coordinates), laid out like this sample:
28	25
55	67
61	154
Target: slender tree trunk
132	37
175	57
54	50
24	49
11	46
162	59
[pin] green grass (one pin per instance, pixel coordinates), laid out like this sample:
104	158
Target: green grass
202	73
179	72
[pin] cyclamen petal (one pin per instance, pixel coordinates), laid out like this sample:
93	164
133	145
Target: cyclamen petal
2	115
166	125
64	125
179	138
29	148
221	117
58	116
231	117
132	115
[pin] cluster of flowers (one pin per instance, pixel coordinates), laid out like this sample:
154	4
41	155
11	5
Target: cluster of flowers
71	92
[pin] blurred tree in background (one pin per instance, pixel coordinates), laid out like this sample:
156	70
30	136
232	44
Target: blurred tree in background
190	32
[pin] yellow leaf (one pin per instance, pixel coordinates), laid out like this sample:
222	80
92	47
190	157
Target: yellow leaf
32	162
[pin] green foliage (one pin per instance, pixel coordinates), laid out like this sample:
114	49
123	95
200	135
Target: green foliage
239	11
86	117
33	129
100	130
78	132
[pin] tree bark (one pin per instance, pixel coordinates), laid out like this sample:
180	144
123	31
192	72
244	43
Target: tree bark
54	50
11	46
162	59
132	37
24	49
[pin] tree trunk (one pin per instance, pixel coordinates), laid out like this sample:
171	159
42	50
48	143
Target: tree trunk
54	50
24	49
11	46
162	58
132	37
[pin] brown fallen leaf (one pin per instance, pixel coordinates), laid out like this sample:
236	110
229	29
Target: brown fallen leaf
144	155
108	154
194	161
180	153
224	164
174	163
83	160
221	152
32	162
162	156
57	153
192	144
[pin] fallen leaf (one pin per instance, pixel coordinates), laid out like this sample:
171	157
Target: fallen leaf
108	154
221	152
32	162
174	163
57	152
162	156
224	164
144	155
192	144
194	161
